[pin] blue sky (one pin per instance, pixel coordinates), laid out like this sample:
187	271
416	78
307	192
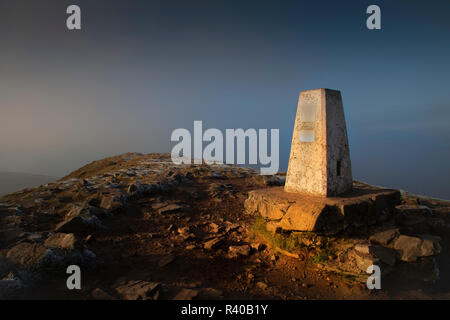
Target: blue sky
140	69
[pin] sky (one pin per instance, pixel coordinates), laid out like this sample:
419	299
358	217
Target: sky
137	70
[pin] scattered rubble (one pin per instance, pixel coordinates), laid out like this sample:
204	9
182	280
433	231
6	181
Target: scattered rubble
138	290
213	243
238	251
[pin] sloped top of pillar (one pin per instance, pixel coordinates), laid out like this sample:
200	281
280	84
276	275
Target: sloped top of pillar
320	89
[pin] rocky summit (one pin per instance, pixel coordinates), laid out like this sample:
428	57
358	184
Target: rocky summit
141	227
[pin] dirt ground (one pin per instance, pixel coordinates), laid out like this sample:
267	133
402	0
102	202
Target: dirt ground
142	244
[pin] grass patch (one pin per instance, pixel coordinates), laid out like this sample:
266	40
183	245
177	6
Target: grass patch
288	242
320	257
294	241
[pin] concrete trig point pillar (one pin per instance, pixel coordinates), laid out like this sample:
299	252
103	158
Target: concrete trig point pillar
319	172
319	163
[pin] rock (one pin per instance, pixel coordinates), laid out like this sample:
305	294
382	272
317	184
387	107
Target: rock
412	209
365	255
35	237
363	261
385	237
430	245
138	290
79	224
166	260
386	255
408	247
159	205
258	246
362	248
272	209
305	217
186	294
261	285
232	226
185	236
34	256
171	208
211	293
110	203
273	226
184	230
214	227
410	201
411	248
213	243
301	212
61	240
236	251
28	255
273	180
75	211
414	223
132	188
99	294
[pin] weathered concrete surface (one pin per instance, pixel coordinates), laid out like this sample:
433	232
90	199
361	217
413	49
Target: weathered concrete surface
319	162
301	212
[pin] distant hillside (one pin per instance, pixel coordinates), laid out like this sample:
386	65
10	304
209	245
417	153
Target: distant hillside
15	181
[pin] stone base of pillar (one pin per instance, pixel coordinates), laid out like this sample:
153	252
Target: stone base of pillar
362	206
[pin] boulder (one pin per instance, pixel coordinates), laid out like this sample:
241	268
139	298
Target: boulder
28	255
65	241
35	256
384	254
79	224
385	237
430	245
412	248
